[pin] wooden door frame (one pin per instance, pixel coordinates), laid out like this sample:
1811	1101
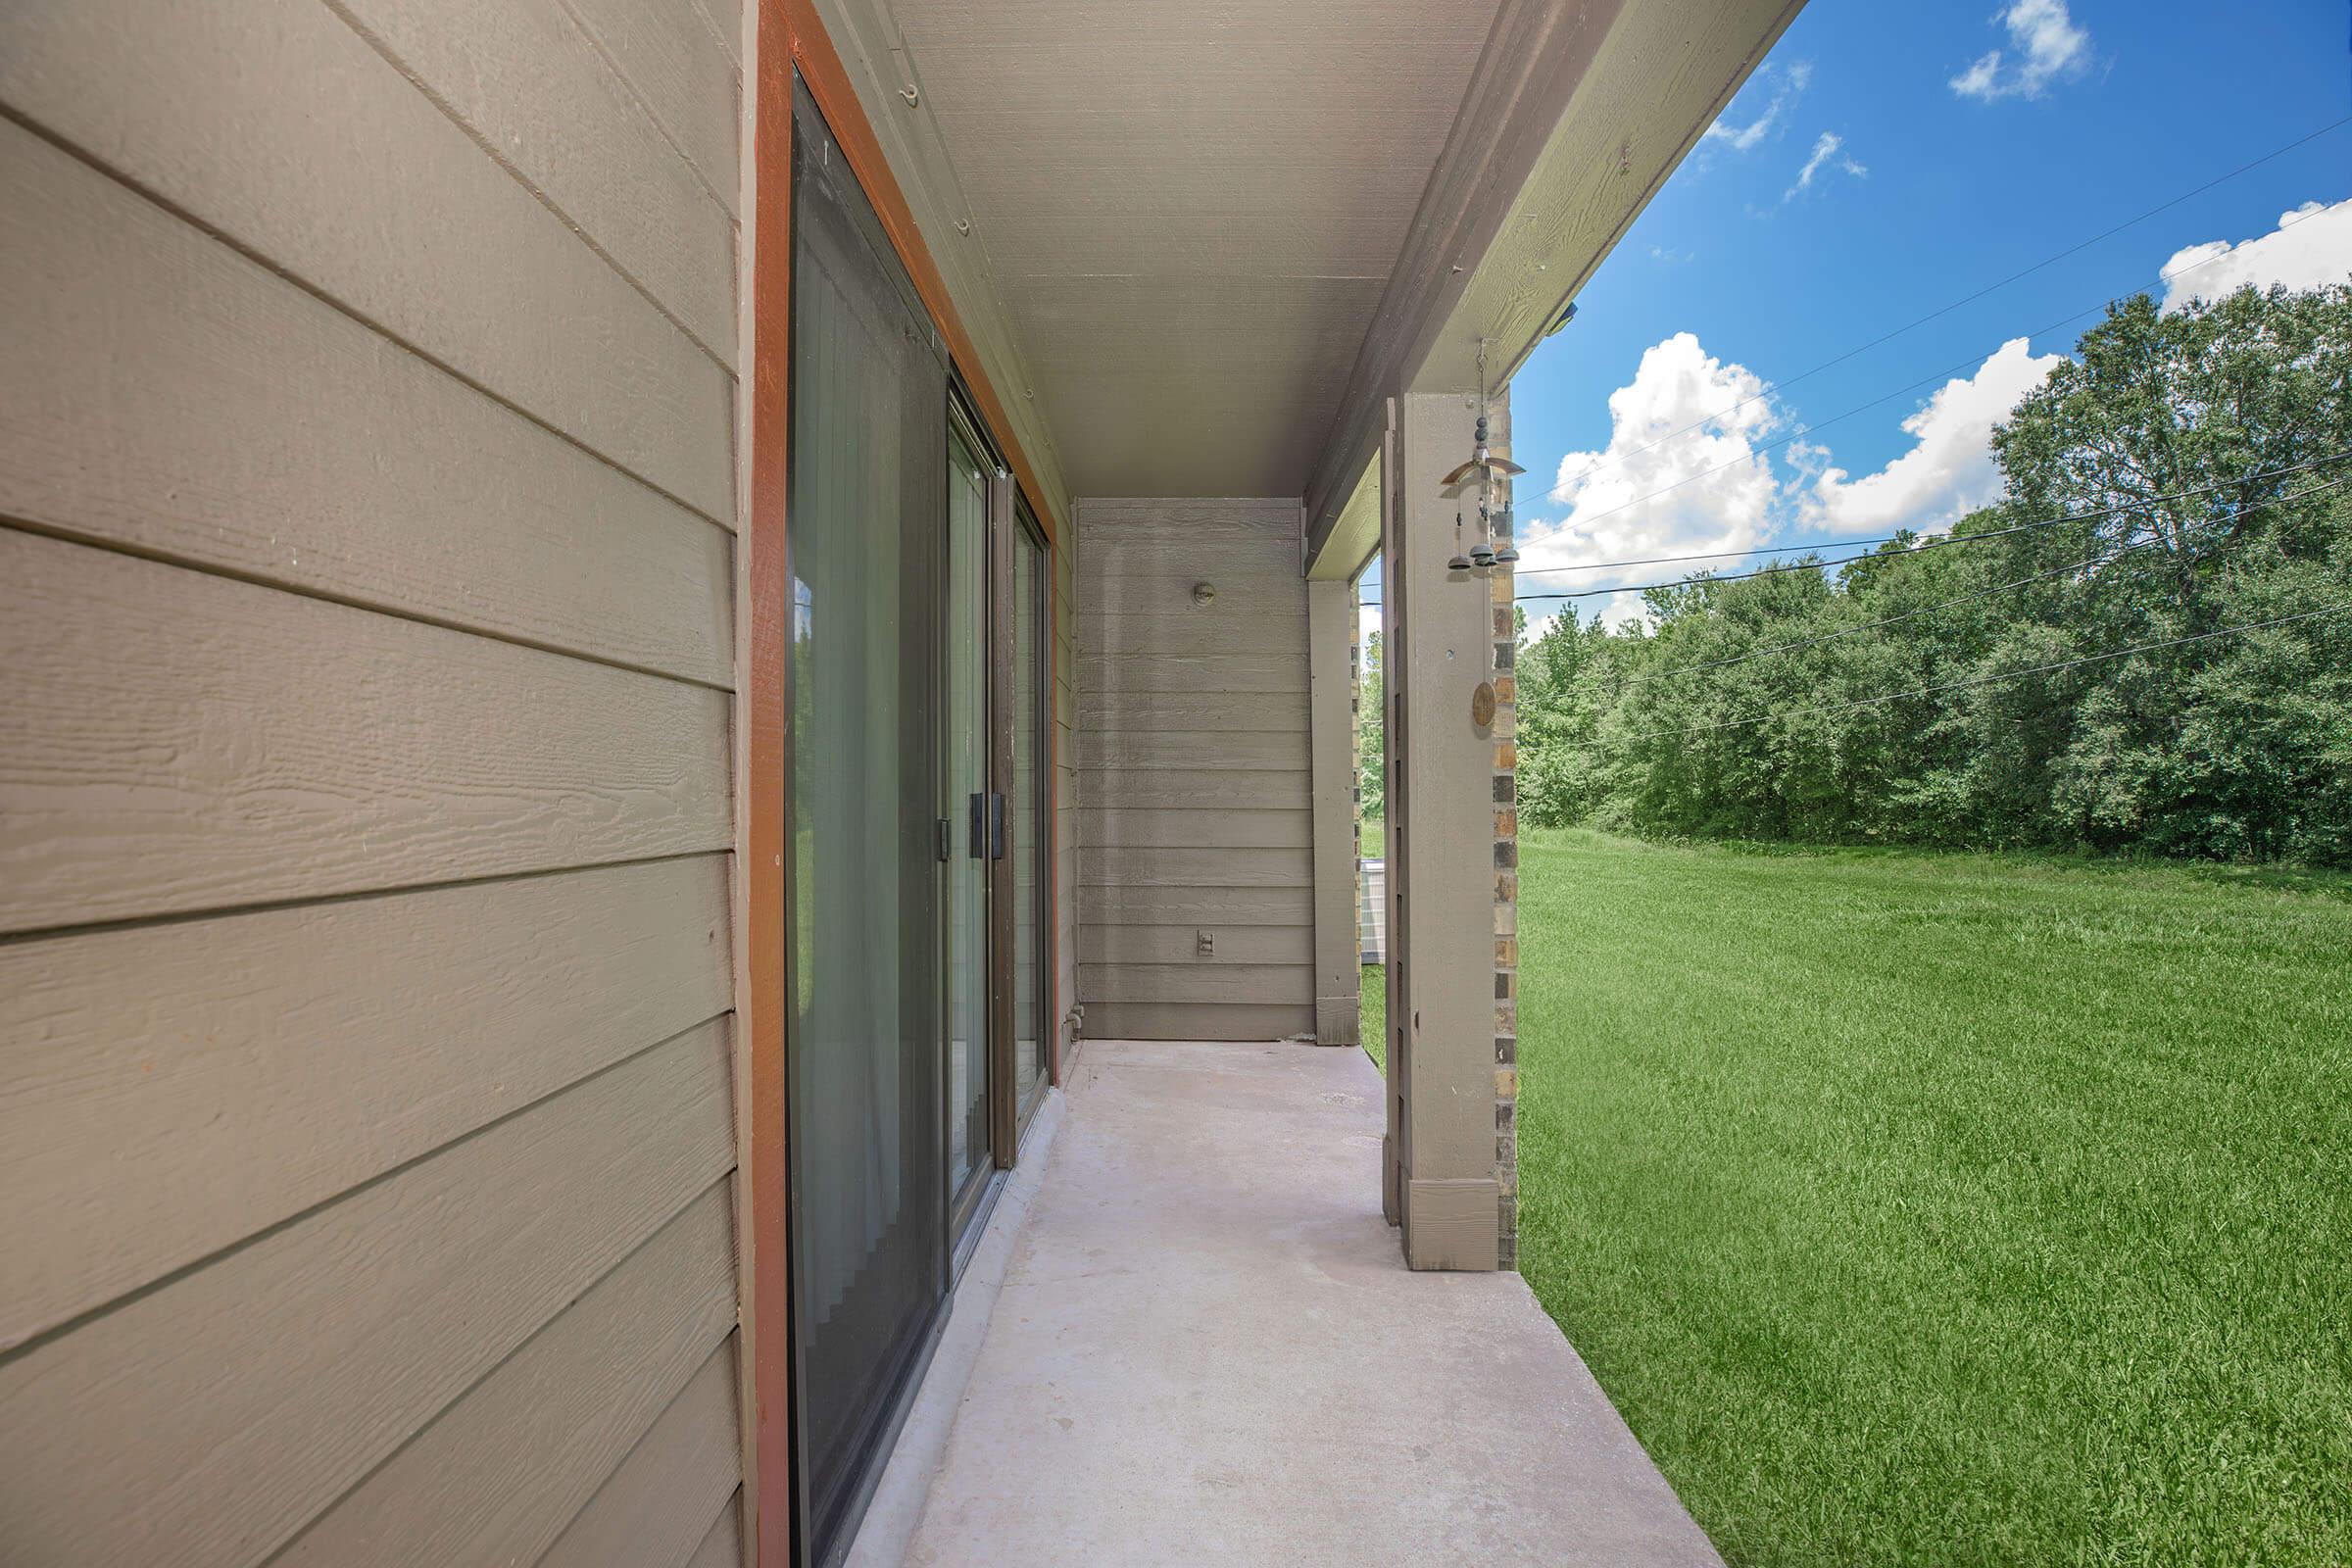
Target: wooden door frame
774	1501
785	39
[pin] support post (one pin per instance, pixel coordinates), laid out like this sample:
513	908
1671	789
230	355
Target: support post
1447	743
1331	728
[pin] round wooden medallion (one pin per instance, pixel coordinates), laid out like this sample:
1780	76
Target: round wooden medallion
1482	705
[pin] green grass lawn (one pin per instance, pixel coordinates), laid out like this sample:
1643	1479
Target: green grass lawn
1372	1029
1922	1208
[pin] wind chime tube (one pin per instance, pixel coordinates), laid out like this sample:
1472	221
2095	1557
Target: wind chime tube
1482	552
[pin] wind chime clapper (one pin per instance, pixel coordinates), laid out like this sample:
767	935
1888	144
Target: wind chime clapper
1488	469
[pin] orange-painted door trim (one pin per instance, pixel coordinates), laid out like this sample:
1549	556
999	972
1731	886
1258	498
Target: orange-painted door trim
771	1497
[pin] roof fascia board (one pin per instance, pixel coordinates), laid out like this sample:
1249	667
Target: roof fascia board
1575	117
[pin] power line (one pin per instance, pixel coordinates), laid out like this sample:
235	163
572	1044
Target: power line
1939	542
1990	680
1946	540
1803	431
2107	559
1770	387
1708	555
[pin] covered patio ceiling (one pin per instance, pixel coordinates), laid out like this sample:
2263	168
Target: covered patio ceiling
1198	242
1191	209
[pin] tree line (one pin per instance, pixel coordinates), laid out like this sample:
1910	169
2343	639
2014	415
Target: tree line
2178	478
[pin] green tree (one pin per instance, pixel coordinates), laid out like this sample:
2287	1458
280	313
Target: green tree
1906	696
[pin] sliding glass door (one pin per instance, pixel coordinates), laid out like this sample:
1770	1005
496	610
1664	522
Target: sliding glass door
972	810
869	392
916	865
1028	863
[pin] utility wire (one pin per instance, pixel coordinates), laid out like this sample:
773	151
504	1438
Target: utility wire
1939	542
1943	541
1803	431
1770	387
1709	555
1990	680
2107	559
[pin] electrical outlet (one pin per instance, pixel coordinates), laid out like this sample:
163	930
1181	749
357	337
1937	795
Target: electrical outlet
1205	944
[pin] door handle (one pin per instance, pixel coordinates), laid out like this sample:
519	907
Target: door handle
976	841
995	827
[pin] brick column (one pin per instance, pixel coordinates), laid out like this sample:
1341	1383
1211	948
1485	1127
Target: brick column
1503	588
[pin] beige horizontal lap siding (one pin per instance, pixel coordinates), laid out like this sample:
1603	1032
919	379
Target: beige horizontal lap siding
1195	810
722	1547
279	127
253	441
366	584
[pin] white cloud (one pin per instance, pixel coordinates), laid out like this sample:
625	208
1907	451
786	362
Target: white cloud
1786	84
1950	470
1723	489
2312	245
1828	146
1684	473
2049	47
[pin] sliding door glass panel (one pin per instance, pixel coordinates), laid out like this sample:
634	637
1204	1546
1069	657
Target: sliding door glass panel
971	815
868	387
1027	865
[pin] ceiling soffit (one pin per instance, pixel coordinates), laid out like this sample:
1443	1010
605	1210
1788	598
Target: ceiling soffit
1190	209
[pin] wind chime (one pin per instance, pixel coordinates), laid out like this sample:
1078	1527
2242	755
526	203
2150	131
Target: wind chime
1494	514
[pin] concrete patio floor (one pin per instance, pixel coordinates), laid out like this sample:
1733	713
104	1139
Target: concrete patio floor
1207	1348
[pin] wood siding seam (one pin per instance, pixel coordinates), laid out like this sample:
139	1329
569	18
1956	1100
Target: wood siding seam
328	901
320	1541
374	323
729	39
433	95
381	1028
286	1371
726	198
723	1547
484	757
65	1328
469	515
73	534
646	1504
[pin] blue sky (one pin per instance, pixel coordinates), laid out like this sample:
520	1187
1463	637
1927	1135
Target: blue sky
1888	160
